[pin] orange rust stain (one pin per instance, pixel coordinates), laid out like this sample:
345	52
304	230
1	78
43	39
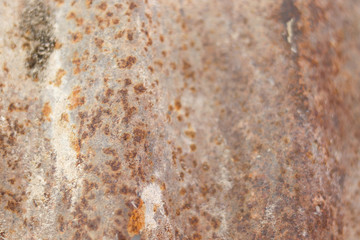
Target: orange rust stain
186	65
119	34
127	62
99	42
75	99
76	37
13	206
139	88
173	66
196	236
64	117
88	3
46	111
132	6
115	21
59	75
177	104
137	220
102	6
193	147
12	107
71	15
75	143
5	68
151	69
88	29
130	35
190	133
139	135
58	45
59	2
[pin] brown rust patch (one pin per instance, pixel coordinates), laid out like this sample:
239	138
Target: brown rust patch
76	37
102	6
127	62
137	220
138	135
193	147
75	143
132	6
139	88
119	34
75	99
59	75
13	206
46	111
190	133
99	43
177	104
130	35
13	107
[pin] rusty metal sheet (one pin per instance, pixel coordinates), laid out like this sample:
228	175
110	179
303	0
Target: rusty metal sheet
158	119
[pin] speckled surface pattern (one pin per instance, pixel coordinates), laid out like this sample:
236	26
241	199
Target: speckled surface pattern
189	119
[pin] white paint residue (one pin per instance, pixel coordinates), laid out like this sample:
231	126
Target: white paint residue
290	34
289	28
151	197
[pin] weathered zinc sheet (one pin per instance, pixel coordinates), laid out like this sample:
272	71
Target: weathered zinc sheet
191	119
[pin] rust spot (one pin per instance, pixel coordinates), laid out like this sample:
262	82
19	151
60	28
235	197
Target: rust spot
114	164
149	42
115	21
127	82
139	88
59	75
5	68
137	220
196	236
75	143
120	34
75	99
93	224
59	2
76	37
127	62
130	35
109	92
151	69
88	3
64	117
13	206
186	65
109	151
46	111
177	104
102	6
132	6
193	147
88	29
190	133
61	223
12	107
58	45
161	38
138	135
99	42
109	14
11	181
194	221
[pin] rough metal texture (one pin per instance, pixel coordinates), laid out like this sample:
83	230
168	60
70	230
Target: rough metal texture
228	119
